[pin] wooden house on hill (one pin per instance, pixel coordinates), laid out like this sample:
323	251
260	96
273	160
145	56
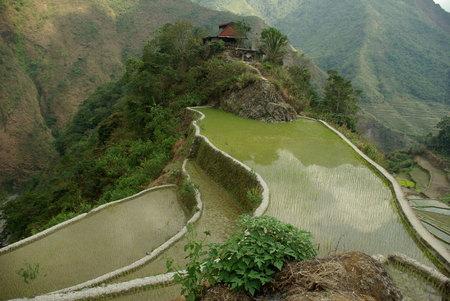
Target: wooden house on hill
229	30
235	40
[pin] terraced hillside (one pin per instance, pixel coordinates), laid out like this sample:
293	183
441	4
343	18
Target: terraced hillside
395	51
316	183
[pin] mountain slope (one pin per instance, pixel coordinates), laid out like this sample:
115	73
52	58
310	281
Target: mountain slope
54	53
395	51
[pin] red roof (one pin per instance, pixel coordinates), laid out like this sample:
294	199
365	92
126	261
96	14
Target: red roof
226	24
229	30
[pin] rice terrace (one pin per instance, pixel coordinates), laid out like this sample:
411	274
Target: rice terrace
316	182
211	150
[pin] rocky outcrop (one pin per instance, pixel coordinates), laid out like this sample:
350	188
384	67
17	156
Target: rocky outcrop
348	276
259	100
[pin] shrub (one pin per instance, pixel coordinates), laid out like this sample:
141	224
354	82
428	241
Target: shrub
406	183
261	246
249	258
254	197
187	195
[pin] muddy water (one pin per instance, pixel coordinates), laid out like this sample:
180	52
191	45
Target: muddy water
100	243
316	183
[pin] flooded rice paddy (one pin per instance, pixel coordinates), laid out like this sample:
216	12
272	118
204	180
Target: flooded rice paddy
435	216
220	212
112	238
316	182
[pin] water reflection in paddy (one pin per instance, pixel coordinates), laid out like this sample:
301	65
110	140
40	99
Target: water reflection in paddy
316	183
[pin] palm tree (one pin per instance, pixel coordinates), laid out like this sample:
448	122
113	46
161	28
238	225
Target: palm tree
273	44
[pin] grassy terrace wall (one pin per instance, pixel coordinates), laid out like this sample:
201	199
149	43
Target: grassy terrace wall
246	186
239	182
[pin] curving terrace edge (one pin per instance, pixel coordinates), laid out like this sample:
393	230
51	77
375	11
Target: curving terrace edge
62	225
74	293
421	233
87	289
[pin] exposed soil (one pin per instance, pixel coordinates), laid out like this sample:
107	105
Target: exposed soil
439	184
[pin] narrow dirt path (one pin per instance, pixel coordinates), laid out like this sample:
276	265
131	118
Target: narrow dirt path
439	185
257	71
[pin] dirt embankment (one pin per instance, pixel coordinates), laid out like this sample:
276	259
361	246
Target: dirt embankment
439	183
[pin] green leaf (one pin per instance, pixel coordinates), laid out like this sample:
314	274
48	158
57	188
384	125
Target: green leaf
278	264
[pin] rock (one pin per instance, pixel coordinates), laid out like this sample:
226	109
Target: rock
261	101
348	276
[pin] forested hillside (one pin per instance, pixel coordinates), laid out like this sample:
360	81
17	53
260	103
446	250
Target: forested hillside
395	51
132	130
55	53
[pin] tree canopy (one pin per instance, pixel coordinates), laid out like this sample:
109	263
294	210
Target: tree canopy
441	142
273	44
340	99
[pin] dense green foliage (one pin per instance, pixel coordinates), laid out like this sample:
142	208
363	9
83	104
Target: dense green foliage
256	251
122	136
273	44
441	142
339	102
399	161
248	259
54	54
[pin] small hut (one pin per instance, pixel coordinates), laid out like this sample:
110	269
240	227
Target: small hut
234	40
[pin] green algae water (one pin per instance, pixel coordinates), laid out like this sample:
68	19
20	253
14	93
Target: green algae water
220	212
316	183
100	243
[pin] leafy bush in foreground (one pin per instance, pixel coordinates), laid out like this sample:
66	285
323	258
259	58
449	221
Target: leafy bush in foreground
249	258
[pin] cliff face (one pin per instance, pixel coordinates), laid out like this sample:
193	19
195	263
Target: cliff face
55	53
261	101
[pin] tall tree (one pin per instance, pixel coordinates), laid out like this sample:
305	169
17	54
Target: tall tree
242	28
341	99
441	142
444	135
273	44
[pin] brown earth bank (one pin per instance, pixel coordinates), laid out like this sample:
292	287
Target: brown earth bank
436	161
348	276
439	183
